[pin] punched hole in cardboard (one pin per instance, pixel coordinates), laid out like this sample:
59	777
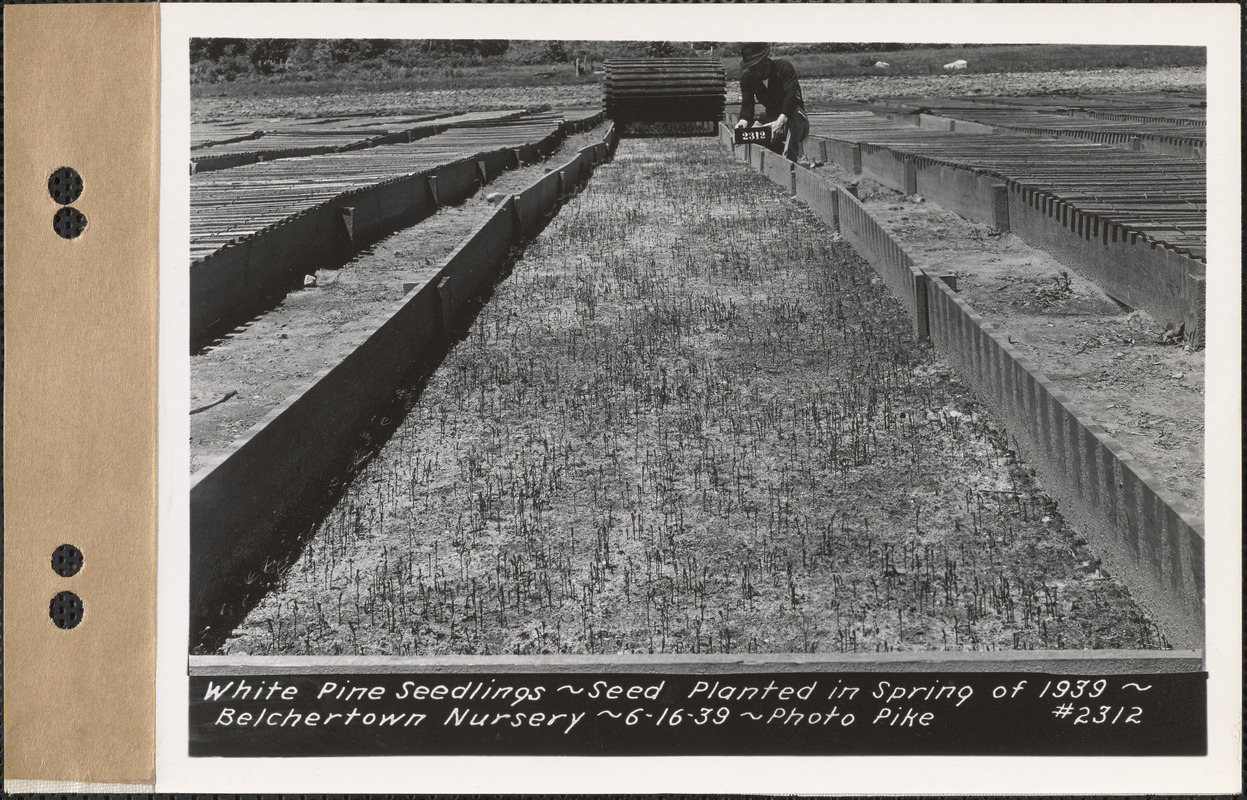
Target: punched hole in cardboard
66	560
65	185
69	222
66	610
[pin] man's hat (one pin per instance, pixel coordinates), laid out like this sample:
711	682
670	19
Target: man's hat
753	52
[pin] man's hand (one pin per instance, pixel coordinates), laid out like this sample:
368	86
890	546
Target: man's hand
779	125
742	123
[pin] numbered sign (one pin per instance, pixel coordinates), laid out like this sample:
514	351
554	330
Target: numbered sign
753	136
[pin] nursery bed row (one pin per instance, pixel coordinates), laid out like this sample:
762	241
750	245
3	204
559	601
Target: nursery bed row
293	138
689	423
271	357
213	132
1133	222
1173	125
229	207
1093	349
1186	107
1162	198
1145	533
258	230
248	499
1184	141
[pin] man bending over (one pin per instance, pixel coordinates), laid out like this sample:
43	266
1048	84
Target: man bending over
774	82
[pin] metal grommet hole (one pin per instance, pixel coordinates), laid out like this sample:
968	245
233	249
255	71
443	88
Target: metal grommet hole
65	185
66	560
69	222
65	610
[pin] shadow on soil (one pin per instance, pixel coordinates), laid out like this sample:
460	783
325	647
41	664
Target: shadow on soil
209	634
221	331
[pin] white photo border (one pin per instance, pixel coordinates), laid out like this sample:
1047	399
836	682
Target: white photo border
1212	25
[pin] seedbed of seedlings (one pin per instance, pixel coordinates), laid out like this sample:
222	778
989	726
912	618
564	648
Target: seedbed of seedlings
690	422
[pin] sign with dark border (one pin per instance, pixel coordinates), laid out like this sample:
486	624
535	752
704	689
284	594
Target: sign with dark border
680	714
759	135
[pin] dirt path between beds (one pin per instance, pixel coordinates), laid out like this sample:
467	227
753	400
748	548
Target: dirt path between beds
1146	390
277	354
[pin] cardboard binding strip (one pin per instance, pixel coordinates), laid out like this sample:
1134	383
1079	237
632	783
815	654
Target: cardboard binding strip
81	91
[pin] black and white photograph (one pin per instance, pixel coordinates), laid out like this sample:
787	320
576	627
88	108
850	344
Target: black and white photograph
648	397
677	411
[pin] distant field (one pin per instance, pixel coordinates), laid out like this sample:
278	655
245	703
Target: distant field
986	59
990	58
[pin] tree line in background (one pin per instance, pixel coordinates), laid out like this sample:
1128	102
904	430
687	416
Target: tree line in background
218	60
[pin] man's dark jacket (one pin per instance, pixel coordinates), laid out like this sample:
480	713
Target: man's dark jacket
782	94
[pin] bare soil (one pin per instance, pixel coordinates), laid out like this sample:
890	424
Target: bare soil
276	354
1145	389
690	422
